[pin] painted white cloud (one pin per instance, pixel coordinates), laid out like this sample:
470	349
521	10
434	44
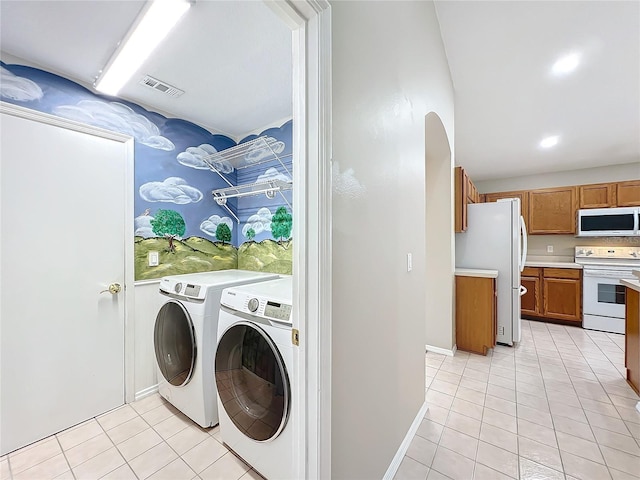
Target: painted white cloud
172	189
210	225
345	183
143	226
116	117
260	222
272	174
18	88
195	157
260	151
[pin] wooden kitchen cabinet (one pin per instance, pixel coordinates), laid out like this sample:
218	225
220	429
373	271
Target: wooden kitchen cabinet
552	293
531	302
473	196
476	314
613	194
628	194
599	195
465	192
632	338
521	194
552	211
562	294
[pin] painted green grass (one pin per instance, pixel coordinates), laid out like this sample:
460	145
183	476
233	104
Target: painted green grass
192	255
266	256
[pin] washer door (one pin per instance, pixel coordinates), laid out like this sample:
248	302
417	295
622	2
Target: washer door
175	343
252	380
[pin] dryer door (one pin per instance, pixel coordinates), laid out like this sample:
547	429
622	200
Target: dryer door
252	381
175	343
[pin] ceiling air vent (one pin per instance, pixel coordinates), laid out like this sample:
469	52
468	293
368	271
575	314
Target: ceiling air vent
160	86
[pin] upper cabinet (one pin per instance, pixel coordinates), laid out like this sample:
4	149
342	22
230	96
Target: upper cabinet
523	195
465	192
614	194
552	211
600	195
628	194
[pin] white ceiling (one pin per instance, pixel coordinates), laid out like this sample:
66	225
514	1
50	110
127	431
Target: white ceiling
500	54
232	58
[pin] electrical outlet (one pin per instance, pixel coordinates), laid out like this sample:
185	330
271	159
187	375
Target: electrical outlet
549	248
409	262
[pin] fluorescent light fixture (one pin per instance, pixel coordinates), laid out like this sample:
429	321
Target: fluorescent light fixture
549	142
566	64
152	25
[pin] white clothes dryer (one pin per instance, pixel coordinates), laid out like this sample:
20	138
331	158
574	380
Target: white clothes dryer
253	369
185	338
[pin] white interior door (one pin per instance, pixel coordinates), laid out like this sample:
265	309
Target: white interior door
63	198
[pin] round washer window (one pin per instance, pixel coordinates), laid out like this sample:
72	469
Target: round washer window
252	381
175	343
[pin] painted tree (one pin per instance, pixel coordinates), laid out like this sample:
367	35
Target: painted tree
223	233
251	234
281	224
170	224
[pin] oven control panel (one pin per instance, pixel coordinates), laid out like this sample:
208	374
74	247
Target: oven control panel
616	252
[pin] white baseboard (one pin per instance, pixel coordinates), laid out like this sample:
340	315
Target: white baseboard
146	392
442	351
404	446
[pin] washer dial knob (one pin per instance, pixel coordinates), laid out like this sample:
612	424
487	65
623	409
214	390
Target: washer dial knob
177	287
253	304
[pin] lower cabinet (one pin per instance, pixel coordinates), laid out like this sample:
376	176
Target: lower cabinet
552	293
476	314
632	338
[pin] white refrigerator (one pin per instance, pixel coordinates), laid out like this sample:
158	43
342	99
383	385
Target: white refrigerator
496	239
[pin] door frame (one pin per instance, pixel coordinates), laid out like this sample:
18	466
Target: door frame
128	291
310	22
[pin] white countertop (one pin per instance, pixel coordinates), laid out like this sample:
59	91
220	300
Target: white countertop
635	284
540	263
473	272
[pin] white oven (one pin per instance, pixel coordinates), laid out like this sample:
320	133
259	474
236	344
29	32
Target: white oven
603	297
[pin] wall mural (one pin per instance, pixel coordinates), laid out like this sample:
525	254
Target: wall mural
176	213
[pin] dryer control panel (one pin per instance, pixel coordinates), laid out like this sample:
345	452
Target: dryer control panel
270	300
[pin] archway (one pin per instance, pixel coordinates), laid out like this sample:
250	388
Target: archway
439	238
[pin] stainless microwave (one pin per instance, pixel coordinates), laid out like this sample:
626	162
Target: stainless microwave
609	222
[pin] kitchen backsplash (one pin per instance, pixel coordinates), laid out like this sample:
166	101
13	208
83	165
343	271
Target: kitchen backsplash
564	245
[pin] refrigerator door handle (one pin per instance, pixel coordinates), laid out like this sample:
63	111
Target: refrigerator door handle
523	229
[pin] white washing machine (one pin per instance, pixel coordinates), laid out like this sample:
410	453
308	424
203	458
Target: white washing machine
253	369
185	338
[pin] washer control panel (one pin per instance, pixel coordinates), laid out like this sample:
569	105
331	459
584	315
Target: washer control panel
182	289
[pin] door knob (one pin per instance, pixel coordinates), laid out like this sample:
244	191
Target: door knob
113	289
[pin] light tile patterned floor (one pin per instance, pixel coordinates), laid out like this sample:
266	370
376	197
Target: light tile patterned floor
554	407
146	439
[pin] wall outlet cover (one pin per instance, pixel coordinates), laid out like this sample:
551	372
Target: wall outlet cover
154	259
549	248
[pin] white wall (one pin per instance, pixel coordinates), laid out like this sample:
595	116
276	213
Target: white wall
389	71
611	173
146	306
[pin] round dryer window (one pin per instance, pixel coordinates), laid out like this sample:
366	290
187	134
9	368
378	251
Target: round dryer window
252	381
175	343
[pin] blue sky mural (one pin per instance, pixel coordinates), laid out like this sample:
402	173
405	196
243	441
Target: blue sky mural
171	170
